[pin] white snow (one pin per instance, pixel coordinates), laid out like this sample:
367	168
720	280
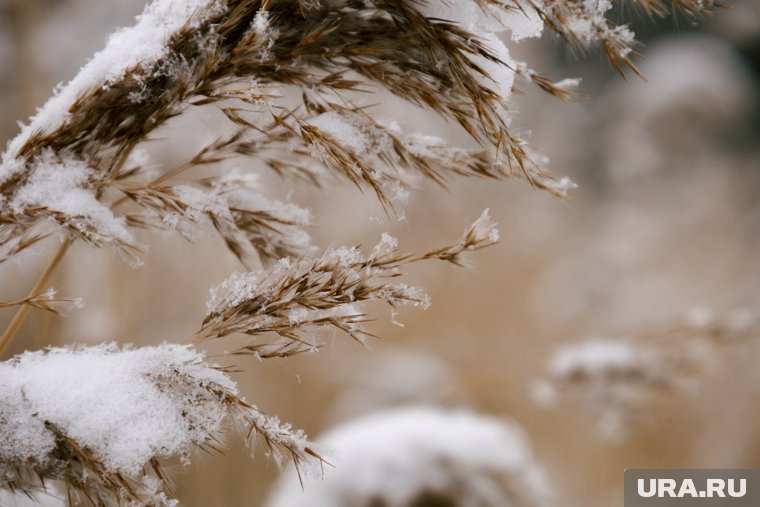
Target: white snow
477	19
140	45
563	186
125	406
501	74
238	287
593	15
595	358
568	83
522	24
261	22
396	455
488	22
201	202
60	185
266	34
387	245
342	129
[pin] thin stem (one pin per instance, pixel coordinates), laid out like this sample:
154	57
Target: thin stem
23	310
42	281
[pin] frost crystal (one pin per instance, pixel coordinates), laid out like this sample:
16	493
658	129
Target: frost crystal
233	290
485	229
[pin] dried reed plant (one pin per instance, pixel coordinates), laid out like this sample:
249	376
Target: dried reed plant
73	169
615	380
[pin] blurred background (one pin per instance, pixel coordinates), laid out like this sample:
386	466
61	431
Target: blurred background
666	219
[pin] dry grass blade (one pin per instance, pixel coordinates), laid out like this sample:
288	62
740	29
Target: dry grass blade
47	301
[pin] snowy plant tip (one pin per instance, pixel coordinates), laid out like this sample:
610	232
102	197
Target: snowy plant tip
295	297
99	418
139	46
402	457
615	378
586	23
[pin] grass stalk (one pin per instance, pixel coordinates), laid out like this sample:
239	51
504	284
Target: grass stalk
23	310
